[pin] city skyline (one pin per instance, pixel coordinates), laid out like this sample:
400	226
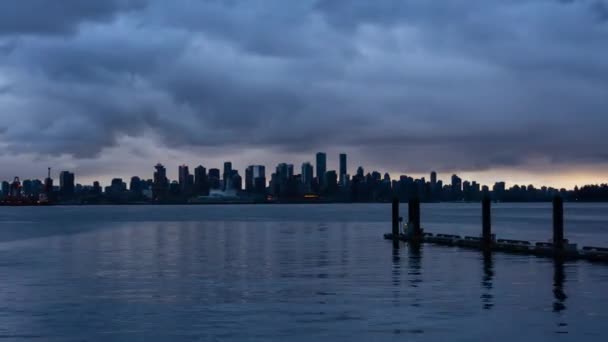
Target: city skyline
186	172
558	179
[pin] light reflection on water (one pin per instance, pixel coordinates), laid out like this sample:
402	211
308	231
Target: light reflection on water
182	273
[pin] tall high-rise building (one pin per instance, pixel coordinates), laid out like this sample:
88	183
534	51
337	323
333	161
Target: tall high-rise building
5	188
183	175
321	167
255	178
227	176
161	183
66	184
433	178
456	184
259	179
96	188
201	183
360	172
343	170
284	171
135	185
249	185
307	175
28	187
214	178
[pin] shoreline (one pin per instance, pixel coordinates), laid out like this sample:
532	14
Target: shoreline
268	203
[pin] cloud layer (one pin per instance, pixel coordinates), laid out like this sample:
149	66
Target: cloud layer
401	84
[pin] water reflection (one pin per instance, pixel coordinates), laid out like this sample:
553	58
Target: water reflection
559	277
487	298
396	272
414	263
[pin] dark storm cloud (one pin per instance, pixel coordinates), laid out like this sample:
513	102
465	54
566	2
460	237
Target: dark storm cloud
48	17
464	85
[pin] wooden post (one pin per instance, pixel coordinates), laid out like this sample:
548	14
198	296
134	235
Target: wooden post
558	223
395	218
410	213
416	217
486	220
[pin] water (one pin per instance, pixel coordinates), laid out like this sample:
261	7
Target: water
298	273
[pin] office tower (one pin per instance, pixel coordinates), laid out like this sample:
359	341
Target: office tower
227	176
160	175
66	183
161	183
307	175
249	184
27	187
289	170
284	171
259	179
96	188
433	179
5	188
135	185
183	175
456	184
117	186
236	181
201	183
255	178
342	169
360	172
331	182
321	167
37	187
214	178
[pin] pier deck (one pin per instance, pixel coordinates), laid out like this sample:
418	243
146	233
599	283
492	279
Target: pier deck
543	249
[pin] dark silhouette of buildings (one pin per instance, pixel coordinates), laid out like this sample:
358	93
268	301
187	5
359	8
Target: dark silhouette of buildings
282	186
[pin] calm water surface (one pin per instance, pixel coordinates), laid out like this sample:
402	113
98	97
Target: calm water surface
298	273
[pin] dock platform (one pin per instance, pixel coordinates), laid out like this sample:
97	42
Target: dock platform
542	249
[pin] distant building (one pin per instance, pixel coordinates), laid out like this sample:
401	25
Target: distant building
183	178
321	167
96	188
456	184
214	179
66	184
330	183
160	187
227	176
343	169
135	185
201	182
307	176
255	179
5	188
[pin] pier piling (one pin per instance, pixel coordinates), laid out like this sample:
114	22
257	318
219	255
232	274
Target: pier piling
395	218
558	223
415	217
486	219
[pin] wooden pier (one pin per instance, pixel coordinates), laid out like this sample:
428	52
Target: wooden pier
559	247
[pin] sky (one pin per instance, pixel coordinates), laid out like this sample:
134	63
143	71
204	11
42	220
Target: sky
491	89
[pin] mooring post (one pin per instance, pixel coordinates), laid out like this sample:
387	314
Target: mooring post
395	218
486	220
558	222
416	217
